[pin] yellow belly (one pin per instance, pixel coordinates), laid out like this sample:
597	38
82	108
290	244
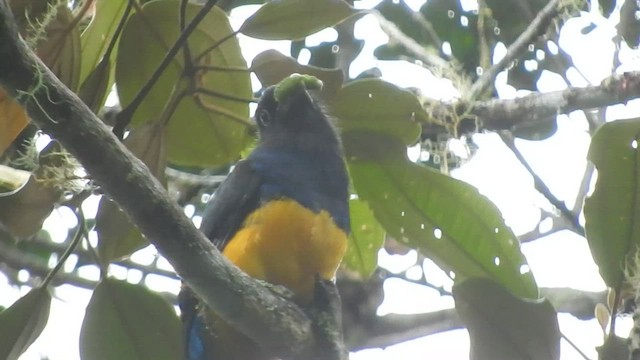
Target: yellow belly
286	244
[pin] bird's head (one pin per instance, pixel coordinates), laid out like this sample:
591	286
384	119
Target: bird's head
290	115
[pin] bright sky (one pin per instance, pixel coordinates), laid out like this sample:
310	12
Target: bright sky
559	260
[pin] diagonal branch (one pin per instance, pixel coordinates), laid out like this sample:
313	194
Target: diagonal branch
541	186
276	324
396	35
537	26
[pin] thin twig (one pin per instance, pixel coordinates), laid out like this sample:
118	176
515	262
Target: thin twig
188	62
124	117
215	45
429	30
484	51
574	346
77	237
220	95
417	50
116	34
219	110
540	185
537	26
222	68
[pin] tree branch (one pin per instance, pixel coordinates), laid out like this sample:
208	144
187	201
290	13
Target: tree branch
276	324
397	36
500	114
541	186
383	331
537	26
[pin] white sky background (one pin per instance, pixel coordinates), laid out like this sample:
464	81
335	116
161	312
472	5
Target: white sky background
559	260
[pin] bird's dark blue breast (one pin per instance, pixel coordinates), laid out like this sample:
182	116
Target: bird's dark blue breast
318	181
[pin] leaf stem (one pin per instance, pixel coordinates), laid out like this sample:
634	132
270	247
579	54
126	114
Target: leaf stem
124	117
77	237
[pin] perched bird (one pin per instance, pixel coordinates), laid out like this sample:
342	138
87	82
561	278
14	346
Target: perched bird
281	216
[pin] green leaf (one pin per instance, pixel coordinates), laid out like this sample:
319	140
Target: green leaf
129	322
613	231
366	239
614	348
629	26
502	326
378	106
96	37
22	322
540	130
271	67
202	130
94	89
446	219
118	237
295	19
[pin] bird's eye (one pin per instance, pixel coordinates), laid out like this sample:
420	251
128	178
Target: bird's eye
264	118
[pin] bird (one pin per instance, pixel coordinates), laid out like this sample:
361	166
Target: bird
282	214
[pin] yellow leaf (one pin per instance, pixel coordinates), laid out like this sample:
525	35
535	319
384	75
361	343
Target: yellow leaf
13	119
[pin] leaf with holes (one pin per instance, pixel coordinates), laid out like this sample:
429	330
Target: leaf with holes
446	219
502	326
366	239
295	19
271	67
129	322
613	231
22	322
203	130
379	106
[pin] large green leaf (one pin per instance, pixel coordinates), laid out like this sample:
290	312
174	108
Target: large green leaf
446	219
366	239
202	130
129	322
295	19
375	105
96	37
502	326
22	323
611	212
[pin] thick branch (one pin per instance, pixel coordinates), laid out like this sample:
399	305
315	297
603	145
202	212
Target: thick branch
276	324
383	331
500	114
